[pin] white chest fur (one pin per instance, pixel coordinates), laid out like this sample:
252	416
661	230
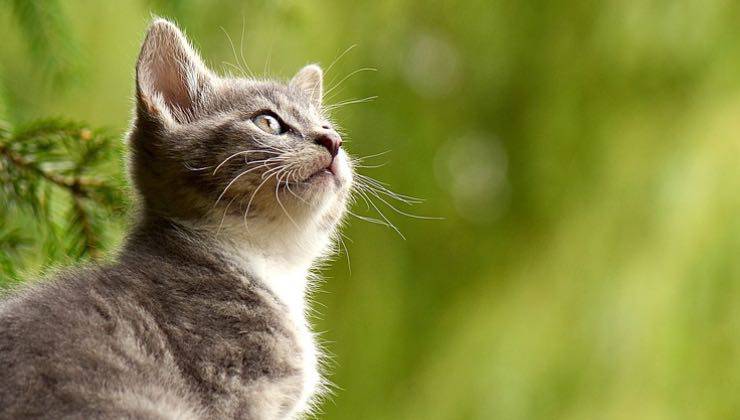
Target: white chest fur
289	283
281	258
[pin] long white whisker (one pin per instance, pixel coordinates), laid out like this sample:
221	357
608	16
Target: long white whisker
339	58
347	77
280	203
239	176
349	102
233	50
223	216
268	61
383	188
243	152
364	198
366	184
287	187
380	213
356	165
241	48
415	216
269	146
190	168
368	219
346	252
271	171
238	69
249	204
363	158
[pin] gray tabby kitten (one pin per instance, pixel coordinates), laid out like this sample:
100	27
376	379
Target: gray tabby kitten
241	185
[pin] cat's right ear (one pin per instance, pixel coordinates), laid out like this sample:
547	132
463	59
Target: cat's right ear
171	79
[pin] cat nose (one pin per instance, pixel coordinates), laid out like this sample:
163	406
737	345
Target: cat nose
330	140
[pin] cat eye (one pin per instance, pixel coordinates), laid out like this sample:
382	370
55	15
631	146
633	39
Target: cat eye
269	124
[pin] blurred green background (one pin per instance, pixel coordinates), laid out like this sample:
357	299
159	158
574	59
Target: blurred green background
584	155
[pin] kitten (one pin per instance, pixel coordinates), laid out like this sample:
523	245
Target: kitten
241	185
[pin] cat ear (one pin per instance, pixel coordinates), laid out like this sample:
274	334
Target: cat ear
309	79
171	78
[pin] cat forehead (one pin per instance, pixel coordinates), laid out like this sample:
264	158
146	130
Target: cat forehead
274	96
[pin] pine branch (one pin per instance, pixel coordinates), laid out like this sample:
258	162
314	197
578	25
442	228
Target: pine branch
11	241
88	242
52	165
76	186
57	155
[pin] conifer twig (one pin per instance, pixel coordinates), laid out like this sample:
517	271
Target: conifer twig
76	186
59	154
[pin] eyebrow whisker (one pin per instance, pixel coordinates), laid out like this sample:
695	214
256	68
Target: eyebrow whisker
347	77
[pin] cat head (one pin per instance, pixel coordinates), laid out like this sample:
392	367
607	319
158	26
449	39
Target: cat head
236	153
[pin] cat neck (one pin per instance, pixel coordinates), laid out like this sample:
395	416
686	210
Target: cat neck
278	256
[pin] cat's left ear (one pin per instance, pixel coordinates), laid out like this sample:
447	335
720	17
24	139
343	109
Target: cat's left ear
171	79
309	79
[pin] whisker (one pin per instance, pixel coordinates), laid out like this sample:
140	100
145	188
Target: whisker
363	158
339	58
347	77
239	70
269	146
392	195
349	102
364	198
190	168
239	176
268	61
415	216
243	152
241	48
233	50
369	166
223	216
380	213
368	219
383	188
272	171
249	204
346	253
280	203
287	187
347	238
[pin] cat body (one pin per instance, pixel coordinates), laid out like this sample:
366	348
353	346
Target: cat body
241	185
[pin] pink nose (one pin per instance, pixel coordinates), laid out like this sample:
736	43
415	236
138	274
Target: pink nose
330	140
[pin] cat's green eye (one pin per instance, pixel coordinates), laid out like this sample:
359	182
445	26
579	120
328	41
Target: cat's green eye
268	124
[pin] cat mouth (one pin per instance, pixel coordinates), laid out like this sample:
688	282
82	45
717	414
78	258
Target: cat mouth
327	171
324	173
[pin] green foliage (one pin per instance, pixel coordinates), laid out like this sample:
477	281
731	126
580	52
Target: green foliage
52	167
585	157
60	181
47	33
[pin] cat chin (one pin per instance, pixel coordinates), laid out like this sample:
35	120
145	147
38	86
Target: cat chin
323	199
323	184
323	194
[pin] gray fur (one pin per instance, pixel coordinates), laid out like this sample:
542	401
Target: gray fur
182	324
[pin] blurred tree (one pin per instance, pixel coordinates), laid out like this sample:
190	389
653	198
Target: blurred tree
46	168
47	165
47	34
584	155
